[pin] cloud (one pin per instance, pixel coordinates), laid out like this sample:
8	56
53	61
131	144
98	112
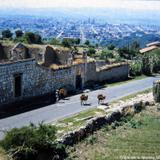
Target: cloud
129	4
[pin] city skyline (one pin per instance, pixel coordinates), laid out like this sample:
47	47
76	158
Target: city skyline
115	4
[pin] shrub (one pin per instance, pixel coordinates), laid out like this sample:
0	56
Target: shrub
106	54
32	141
136	68
135	123
19	33
54	41
7	34
147	64
87	42
111	47
92	139
91	51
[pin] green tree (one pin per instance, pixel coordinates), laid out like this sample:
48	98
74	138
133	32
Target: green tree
19	33
127	52
136	67
32	38
67	42
135	46
7	34
111	47
105	54
91	52
55	41
147	64
37	39
87	42
77	41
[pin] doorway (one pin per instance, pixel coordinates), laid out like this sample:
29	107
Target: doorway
18	85
78	82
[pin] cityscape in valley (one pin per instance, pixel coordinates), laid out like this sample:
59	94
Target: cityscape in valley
98	30
79	80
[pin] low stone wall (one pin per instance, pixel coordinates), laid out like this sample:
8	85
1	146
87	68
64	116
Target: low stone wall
97	122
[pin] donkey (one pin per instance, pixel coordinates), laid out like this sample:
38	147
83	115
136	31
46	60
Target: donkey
83	99
101	98
62	93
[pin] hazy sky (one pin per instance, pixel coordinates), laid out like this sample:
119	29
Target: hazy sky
129	4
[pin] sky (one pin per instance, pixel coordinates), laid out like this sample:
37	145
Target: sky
127	4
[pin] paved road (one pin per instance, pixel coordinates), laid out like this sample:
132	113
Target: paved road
68	107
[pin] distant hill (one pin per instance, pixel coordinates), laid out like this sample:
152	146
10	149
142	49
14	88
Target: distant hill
140	37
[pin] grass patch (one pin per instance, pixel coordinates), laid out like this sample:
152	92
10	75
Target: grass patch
77	120
126	81
136	136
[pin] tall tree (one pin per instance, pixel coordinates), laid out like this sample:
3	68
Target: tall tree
7	34
19	33
87	42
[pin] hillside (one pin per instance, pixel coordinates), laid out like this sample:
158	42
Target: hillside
133	137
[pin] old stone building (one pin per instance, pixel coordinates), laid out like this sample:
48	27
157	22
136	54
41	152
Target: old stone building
19	52
59	57
23	78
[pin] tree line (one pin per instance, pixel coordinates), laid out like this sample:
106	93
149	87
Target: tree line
20	36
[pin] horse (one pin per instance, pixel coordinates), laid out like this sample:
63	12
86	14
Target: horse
101	98
83	99
62	93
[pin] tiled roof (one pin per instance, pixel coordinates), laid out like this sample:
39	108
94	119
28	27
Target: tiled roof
148	49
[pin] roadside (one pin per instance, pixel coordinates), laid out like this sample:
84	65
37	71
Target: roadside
66	108
80	119
130	79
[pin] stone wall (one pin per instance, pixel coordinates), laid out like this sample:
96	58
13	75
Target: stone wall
113	73
35	80
91	72
96	123
55	56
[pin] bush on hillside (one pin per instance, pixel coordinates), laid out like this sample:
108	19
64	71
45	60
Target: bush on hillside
33	142
91	52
